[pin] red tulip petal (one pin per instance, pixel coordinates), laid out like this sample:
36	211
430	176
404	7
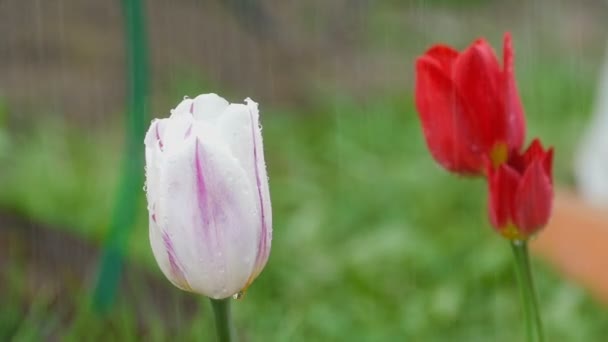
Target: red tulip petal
441	111
444	55
535	150
513	108
502	185
477	77
533	199
548	164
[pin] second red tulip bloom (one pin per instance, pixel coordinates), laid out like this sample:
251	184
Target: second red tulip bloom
521	192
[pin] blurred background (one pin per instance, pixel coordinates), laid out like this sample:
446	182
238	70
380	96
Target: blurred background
372	240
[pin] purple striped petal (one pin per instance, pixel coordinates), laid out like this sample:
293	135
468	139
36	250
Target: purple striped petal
205	200
164	253
262	192
177	273
240	129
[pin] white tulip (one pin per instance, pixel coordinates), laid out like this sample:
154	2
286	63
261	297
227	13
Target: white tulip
208	197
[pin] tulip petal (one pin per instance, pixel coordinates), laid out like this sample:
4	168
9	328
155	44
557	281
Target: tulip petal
513	107
501	183
444	55
442	116
213	226
533	198
208	107
520	162
263	191
164	253
535	152
169	133
241	130
183	108
477	77
154	135
154	146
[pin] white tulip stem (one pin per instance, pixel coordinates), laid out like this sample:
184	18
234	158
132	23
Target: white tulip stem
223	319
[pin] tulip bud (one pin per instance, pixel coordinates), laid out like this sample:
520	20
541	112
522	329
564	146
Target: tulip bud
208	197
521	192
468	106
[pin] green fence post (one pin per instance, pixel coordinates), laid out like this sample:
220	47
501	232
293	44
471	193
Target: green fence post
131	182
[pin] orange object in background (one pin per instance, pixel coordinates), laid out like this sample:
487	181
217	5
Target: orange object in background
576	242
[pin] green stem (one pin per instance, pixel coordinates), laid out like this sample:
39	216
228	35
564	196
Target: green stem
223	322
528	294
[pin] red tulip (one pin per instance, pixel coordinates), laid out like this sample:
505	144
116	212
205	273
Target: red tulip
521	192
469	107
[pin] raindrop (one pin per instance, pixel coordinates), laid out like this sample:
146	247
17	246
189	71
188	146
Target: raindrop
239	295
518	242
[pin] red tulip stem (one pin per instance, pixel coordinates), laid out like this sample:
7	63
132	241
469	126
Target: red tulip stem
528	294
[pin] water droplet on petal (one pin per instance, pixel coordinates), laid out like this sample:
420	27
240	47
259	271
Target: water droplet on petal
239	295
